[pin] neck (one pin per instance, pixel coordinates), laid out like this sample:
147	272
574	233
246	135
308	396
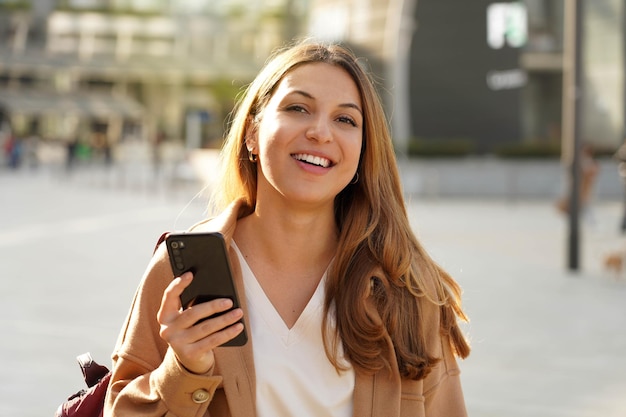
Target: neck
289	236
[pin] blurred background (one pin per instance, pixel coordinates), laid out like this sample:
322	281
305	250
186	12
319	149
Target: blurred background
481	82
112	114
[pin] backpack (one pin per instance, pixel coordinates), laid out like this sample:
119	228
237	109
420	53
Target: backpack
87	402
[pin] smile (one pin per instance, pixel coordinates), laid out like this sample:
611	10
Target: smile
313	160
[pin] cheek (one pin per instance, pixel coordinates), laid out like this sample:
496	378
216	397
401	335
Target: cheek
268	147
269	135
355	152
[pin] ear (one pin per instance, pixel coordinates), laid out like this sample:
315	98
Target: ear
250	144
251	134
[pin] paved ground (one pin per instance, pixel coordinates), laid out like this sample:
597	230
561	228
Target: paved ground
546	342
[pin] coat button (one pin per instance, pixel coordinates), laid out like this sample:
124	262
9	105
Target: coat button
200	396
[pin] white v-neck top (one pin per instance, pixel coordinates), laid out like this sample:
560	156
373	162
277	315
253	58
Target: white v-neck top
293	375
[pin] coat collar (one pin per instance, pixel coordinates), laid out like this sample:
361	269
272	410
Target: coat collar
225	222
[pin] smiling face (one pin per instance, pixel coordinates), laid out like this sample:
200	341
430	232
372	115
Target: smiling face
309	135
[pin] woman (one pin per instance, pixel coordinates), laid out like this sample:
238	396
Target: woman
347	314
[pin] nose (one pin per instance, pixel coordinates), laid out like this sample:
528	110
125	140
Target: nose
319	130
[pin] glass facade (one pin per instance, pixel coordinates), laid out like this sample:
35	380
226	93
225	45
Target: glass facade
170	61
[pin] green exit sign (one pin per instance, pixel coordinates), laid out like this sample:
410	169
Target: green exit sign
507	24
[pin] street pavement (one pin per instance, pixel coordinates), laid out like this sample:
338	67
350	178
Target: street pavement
547	342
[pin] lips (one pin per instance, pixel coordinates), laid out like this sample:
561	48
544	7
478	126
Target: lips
313	160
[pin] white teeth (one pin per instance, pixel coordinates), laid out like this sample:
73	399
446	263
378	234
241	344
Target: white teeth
315	160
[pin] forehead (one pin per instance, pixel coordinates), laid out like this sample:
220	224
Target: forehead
320	79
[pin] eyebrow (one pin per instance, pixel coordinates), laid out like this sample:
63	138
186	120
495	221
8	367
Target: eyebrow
347	105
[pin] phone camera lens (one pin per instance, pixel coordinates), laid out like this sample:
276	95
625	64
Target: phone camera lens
179	265
174	245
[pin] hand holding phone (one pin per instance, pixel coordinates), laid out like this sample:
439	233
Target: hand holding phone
194	344
205	256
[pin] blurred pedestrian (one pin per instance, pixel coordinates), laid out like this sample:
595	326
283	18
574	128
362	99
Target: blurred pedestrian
590	169
620	155
7	148
588	172
101	148
71	150
347	313
31	150
14	148
156	152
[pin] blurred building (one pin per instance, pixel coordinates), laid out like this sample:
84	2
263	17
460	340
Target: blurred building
484	74
73	69
380	32
479	74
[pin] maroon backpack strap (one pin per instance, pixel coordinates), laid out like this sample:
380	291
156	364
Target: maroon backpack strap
87	402
92	371
162	238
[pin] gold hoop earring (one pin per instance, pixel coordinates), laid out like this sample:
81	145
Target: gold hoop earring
355	179
252	157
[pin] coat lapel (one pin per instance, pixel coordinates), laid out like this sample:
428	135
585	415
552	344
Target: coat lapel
236	364
237	370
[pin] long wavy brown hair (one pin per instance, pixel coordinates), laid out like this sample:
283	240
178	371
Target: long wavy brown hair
374	233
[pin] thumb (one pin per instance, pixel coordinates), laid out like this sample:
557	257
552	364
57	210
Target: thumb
170	303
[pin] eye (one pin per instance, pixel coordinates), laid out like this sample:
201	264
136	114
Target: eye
347	119
296	108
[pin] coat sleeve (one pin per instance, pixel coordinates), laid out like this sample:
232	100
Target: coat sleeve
147	379
442	387
443	394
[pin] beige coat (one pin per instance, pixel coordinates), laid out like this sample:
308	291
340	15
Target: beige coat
149	381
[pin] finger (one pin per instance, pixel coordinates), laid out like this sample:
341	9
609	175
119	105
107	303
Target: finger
193	344
201	311
220	337
227	334
170	303
198	357
215	325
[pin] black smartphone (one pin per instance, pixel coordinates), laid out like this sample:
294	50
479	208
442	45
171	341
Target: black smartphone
204	254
